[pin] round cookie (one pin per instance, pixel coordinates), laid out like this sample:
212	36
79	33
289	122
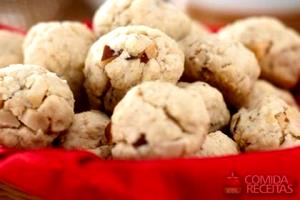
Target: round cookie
154	120
263	88
224	64
272	124
88	132
276	46
218	144
153	13
126	57
61	47
214	102
35	106
10	48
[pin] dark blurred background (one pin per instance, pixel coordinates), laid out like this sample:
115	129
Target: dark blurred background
25	13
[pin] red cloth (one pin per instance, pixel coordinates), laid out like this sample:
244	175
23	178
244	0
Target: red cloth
59	174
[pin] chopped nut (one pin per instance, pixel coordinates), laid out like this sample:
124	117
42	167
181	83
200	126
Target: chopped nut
141	141
35	120
109	54
58	111
8	120
16	105
151	51
144	58
37	93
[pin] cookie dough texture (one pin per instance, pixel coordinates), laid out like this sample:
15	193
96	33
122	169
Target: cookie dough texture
10	48
126	57
197	32
271	125
61	47
153	13
224	64
214	102
218	144
263	88
154	120
276	46
88	132
35	106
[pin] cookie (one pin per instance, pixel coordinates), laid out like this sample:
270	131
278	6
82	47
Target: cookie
153	13
61	47
217	144
224	64
126	57
276	46
10	48
154	120
214	102
263	88
36	106
197	32
87	132
272	124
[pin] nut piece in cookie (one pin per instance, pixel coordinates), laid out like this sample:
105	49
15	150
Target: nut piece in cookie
214	102
10	48
276	46
126	57
154	120
88	132
218	144
272	124
263	88
35	106
224	64
61	47
153	13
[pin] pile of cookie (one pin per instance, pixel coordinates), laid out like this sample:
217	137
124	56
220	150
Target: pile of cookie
148	82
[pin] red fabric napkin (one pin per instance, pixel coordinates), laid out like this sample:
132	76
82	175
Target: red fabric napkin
60	174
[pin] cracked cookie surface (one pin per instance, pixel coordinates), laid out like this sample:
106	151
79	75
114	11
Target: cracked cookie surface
126	57
88	132
214	102
224	64
272	124
153	120
218	144
276	46
153	13
35	106
61	47
10	48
